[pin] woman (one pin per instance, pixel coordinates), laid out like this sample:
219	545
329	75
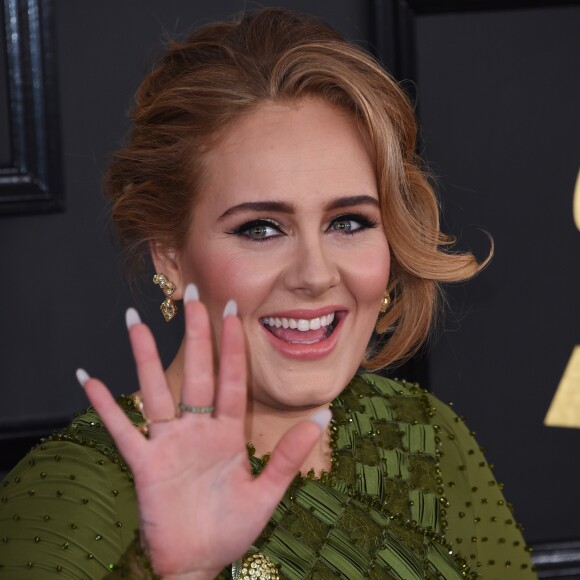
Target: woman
271	175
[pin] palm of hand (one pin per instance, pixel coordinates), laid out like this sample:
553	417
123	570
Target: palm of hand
200	507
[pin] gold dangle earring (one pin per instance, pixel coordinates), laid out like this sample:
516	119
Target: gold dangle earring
385	302
168	306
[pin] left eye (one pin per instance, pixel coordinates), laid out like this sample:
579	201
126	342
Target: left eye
346	224
260	231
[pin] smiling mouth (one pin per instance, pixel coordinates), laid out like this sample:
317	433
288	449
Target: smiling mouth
302	330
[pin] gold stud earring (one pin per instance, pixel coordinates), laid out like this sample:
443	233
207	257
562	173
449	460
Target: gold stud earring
168	306
385	302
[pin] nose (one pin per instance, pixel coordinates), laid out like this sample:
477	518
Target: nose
312	269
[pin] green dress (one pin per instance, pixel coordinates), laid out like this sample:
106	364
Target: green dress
409	496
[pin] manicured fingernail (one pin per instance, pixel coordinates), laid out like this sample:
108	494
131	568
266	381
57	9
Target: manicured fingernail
191	293
82	376
322	418
231	308
132	317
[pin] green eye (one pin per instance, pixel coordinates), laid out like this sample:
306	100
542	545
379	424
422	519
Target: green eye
343	225
351	224
260	230
346	225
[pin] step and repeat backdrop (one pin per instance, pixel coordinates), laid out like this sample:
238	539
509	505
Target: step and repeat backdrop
497	90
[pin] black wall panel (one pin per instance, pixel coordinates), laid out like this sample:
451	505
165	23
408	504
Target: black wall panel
498	96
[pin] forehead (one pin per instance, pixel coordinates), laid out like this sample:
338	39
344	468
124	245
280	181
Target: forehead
305	150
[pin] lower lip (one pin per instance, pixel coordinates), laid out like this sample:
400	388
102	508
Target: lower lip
307	351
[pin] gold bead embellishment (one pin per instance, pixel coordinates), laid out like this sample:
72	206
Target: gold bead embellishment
255	566
168	306
385	302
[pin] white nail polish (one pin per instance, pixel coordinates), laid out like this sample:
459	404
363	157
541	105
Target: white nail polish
191	293
231	308
132	317
82	376
322	418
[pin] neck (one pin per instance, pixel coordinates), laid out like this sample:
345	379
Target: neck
264	425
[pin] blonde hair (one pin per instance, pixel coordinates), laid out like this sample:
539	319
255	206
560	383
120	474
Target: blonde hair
225	70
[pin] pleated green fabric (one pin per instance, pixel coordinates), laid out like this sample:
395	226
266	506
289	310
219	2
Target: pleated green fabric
409	496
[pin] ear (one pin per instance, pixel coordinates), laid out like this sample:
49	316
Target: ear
166	262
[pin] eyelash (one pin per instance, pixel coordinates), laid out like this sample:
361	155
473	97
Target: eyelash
363	221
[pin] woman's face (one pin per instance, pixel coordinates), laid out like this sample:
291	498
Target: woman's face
288	224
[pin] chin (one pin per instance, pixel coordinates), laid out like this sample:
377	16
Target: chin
302	390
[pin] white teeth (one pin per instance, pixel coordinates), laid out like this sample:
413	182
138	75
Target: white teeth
301	324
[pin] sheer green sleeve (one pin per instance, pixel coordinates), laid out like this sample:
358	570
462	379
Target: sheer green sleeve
480	523
66	511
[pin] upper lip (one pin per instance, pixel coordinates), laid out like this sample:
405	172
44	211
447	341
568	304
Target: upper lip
305	314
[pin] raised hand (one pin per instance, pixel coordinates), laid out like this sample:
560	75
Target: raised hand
200	506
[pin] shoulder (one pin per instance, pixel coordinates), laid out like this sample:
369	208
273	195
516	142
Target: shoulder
416	409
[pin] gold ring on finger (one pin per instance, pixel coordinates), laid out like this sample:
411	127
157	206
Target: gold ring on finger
144	427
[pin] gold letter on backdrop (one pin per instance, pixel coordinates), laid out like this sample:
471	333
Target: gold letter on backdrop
565	408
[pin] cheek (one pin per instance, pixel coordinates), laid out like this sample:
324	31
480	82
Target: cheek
212	274
222	275
370	270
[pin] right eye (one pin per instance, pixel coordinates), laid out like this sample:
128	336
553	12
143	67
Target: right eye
259	230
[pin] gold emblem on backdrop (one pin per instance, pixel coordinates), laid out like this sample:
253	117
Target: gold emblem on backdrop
577	202
565	408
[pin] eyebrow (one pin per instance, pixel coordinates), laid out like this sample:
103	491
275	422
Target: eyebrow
284	207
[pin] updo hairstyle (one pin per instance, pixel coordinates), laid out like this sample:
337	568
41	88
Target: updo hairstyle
226	70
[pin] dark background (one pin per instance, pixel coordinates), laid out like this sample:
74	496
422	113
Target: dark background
498	93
